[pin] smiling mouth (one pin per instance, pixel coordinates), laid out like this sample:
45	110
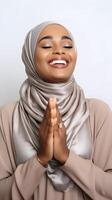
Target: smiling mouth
58	63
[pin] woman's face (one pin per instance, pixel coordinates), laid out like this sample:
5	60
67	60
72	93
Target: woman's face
55	55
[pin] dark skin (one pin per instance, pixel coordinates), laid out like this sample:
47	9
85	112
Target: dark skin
52	136
54	43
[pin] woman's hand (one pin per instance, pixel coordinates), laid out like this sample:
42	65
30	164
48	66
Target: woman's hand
60	150
52	137
46	136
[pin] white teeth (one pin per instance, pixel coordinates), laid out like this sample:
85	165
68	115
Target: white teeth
58	62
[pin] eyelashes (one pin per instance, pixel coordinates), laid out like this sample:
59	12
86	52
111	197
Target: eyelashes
66	47
46	47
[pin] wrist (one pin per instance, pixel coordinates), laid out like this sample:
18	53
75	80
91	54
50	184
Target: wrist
42	162
64	158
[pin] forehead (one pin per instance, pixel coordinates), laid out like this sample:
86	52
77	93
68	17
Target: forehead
54	30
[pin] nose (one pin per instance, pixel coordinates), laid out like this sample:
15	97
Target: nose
58	50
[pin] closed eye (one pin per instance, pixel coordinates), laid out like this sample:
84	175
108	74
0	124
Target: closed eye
68	47
46	47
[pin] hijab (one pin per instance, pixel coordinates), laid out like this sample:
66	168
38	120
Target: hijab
29	112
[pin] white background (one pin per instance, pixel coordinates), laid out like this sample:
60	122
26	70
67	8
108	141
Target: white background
89	20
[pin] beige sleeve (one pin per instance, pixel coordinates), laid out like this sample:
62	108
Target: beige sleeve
23	182
18	184
15	183
95	177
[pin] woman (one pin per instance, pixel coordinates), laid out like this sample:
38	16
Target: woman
54	143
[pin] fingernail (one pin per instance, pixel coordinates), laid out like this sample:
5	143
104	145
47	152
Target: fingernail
53	98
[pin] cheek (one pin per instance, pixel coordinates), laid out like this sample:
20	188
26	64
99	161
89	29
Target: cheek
38	57
73	61
74	57
40	63
41	58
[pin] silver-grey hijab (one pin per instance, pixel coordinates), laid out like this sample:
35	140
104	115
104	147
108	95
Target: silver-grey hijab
29	112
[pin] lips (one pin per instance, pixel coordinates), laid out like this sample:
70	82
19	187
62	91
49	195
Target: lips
59	63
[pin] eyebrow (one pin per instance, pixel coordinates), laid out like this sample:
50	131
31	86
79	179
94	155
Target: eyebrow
51	37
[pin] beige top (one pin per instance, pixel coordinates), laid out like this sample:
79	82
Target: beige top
28	181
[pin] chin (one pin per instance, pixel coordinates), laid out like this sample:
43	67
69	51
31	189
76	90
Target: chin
58	80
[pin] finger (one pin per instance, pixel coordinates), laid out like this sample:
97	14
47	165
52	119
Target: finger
53	110
60	123
52	102
50	130
47	115
50	107
59	118
53	113
47	111
54	122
